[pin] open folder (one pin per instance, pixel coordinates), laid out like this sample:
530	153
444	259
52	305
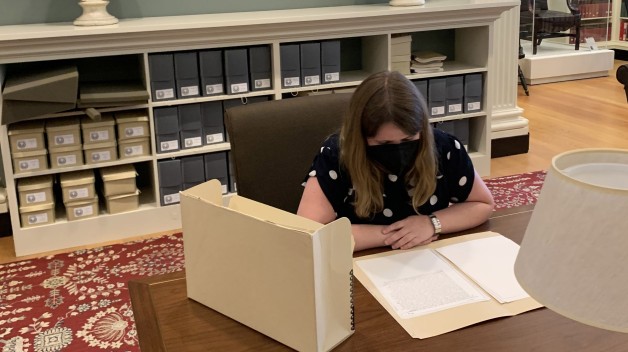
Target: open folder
446	285
285	276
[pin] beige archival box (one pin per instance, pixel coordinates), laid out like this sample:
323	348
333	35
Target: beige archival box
35	215
285	276
132	124
118	180
27	136
101	131
63	133
35	190
39	92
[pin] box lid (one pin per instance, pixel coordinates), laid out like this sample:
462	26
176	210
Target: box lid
105	120
99	145
82	202
72	148
37	207
131	116
121	196
118	172
51	85
111	93
62	124
76	178
29	154
34	183
134	140
36	126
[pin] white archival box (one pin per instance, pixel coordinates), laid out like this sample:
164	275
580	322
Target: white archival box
285	276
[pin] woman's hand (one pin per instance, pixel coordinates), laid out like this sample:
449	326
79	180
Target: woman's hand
415	230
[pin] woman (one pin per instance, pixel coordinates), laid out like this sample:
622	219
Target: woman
399	182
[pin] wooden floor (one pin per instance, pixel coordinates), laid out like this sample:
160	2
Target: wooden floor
563	116
590	113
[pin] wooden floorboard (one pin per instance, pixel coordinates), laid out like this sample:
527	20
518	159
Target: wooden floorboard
591	113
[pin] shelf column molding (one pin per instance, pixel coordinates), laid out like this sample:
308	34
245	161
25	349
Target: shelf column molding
507	118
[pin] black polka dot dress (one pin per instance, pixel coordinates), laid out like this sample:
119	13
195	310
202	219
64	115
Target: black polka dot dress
453	182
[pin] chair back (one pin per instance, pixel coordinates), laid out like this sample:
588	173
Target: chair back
274	143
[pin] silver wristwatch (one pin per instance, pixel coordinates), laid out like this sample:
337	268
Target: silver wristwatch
436	224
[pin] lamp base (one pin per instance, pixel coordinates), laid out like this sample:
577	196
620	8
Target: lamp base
406	2
95	14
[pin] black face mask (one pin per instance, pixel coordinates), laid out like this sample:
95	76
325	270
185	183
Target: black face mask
395	158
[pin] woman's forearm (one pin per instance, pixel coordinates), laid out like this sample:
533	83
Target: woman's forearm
463	216
367	236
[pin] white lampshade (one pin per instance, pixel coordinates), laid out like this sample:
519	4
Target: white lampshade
406	2
574	255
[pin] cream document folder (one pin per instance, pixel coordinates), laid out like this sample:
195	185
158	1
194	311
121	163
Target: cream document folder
430	294
400	277
490	263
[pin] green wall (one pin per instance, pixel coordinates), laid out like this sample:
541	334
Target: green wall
47	11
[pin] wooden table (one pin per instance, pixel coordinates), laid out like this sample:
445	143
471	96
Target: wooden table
167	320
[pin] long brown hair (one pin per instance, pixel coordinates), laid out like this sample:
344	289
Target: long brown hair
386	97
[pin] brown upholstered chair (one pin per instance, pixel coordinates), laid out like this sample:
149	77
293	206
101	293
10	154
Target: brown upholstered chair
548	23
273	144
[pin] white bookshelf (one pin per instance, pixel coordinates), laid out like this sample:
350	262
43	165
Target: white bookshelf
472	22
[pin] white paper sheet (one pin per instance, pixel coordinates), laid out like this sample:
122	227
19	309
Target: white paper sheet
419	282
490	263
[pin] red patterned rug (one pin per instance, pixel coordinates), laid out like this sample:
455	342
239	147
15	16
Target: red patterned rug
79	301
516	190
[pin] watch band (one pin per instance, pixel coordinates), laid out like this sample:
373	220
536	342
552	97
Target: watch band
436	224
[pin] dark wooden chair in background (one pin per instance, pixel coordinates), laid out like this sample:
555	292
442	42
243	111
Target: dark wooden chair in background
542	23
622	77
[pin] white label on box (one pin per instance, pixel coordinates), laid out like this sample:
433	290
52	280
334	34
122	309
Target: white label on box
64	139
291	82
262	83
189	91
37	218
29	165
172	198
213	89
455	108
332	77
438	110
224	189
66	160
193	142
78	193
99	136
240	88
84	211
169	145
134	131
101	156
134	150
214	138
35	197
473	106
28	143
164	94
310	80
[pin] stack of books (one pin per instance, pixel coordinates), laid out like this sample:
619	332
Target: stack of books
400	53
427	62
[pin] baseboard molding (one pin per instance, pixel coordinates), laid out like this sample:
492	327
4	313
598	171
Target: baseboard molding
5	225
510	146
621	54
